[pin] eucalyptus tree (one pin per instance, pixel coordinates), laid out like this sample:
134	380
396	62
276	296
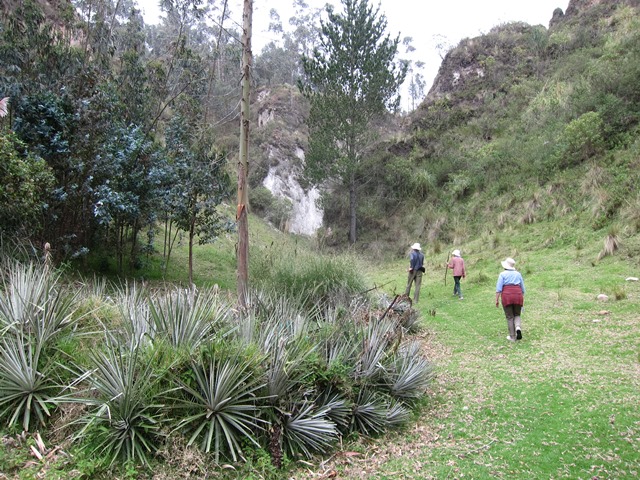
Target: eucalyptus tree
281	61
350	79
26	180
201	183
80	103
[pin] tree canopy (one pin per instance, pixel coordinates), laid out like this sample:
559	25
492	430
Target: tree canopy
351	78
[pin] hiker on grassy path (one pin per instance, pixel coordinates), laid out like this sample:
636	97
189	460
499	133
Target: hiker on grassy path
510	289
457	265
416	269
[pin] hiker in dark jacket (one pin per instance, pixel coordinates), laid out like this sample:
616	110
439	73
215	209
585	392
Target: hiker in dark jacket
510	289
416	269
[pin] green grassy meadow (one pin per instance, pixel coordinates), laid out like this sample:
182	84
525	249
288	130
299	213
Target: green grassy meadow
561	403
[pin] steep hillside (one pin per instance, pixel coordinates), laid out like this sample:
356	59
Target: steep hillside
523	124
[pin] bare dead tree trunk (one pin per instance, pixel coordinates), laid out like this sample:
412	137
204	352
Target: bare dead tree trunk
243	162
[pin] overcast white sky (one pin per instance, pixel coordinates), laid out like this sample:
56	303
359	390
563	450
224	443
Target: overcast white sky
428	22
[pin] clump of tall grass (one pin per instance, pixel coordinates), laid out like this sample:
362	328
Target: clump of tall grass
619	293
315	279
611	243
630	214
531	208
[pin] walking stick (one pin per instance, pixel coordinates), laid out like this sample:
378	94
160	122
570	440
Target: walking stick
446	269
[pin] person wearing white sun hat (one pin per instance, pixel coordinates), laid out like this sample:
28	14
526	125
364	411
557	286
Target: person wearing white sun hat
510	290
416	269
457	265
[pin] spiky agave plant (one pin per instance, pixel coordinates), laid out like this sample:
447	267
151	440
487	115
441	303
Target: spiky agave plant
31	300
307	429
220	403
408	373
34	310
378	336
126	420
133	303
370	415
187	318
27	386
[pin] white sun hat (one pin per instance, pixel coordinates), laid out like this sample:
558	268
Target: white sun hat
456	253
509	264
416	246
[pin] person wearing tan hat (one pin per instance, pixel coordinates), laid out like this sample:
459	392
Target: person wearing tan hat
416	269
457	265
510	289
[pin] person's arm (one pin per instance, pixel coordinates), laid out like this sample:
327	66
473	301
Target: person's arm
498	295
499	286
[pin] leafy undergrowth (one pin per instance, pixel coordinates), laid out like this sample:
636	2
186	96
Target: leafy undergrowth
561	403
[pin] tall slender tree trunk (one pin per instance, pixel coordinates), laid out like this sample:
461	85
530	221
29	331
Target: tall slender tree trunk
243	162
192	234
352	208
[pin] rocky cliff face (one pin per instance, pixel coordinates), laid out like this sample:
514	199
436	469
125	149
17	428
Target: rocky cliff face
481	64
281	137
476	60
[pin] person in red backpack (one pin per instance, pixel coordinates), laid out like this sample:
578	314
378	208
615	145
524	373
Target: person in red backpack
510	290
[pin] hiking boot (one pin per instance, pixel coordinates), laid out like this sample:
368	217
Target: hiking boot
461	298
518	334
510	339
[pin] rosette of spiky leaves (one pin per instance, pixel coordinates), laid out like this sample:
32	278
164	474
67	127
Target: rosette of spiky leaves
187	318
307	429
280	331
221	404
27	387
339	409
340	340
133	302
271	316
376	339
370	413
397	414
126	421
31	301
408	373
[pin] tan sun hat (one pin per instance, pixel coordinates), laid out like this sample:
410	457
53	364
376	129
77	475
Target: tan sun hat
416	246
509	263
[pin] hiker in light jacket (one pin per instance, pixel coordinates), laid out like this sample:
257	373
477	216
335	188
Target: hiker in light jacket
510	289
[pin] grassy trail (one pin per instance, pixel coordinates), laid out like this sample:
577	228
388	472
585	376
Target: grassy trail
562	403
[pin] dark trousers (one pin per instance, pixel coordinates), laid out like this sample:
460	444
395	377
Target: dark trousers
456	285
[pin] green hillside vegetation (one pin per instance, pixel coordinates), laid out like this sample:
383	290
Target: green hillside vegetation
541	125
